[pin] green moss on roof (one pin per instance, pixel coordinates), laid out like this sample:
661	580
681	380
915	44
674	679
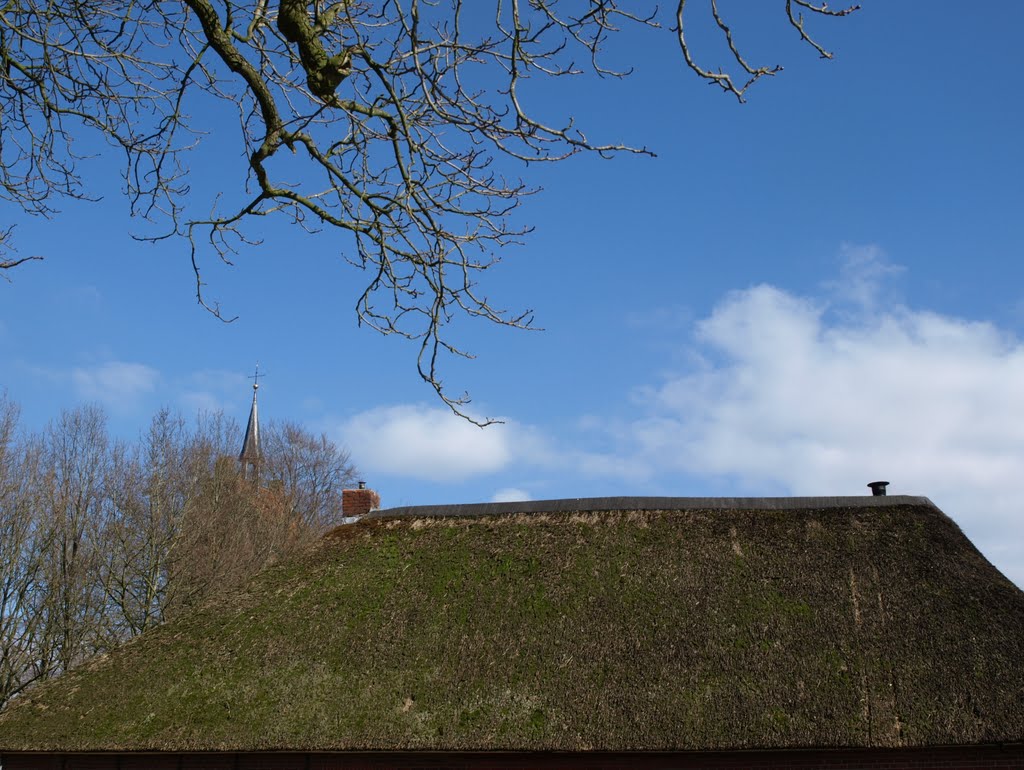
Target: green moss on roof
652	630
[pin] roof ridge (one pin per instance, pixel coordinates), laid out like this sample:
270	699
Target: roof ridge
600	504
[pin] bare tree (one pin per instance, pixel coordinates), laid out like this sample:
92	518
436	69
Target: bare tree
100	542
22	550
229	526
76	457
211	503
232	528
309	472
180	524
149	488
51	495
383	119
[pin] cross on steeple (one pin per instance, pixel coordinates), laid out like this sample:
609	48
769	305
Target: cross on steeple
255	377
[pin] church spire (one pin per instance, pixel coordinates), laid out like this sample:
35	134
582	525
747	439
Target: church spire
249	457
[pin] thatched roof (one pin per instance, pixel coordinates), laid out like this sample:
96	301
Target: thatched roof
630	624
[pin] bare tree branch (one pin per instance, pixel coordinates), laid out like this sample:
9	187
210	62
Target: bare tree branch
396	116
8	263
752	74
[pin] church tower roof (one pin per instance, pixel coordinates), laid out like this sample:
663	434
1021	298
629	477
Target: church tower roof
249	457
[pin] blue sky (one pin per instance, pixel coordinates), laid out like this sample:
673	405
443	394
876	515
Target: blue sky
798	295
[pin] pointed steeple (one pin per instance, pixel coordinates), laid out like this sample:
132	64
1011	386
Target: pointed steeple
249	457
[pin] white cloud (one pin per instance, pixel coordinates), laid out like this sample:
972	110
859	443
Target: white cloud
117	384
427	443
862	276
792	395
199	401
787	394
510	495
213	390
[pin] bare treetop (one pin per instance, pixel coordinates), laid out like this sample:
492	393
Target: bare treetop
380	119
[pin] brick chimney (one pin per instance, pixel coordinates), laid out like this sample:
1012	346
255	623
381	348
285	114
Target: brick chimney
359	502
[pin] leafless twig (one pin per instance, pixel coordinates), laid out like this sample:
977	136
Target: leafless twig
393	114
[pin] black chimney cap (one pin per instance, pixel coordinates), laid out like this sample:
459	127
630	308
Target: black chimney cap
362	485
878	488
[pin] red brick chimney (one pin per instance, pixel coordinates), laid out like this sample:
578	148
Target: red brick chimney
359	502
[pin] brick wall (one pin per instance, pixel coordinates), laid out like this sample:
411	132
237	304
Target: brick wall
978	758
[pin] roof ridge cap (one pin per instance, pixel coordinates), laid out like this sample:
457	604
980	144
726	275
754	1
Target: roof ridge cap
603	504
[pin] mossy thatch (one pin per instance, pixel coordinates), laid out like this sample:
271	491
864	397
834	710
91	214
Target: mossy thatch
737	628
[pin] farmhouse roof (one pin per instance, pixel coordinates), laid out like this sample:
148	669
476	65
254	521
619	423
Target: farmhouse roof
617	624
